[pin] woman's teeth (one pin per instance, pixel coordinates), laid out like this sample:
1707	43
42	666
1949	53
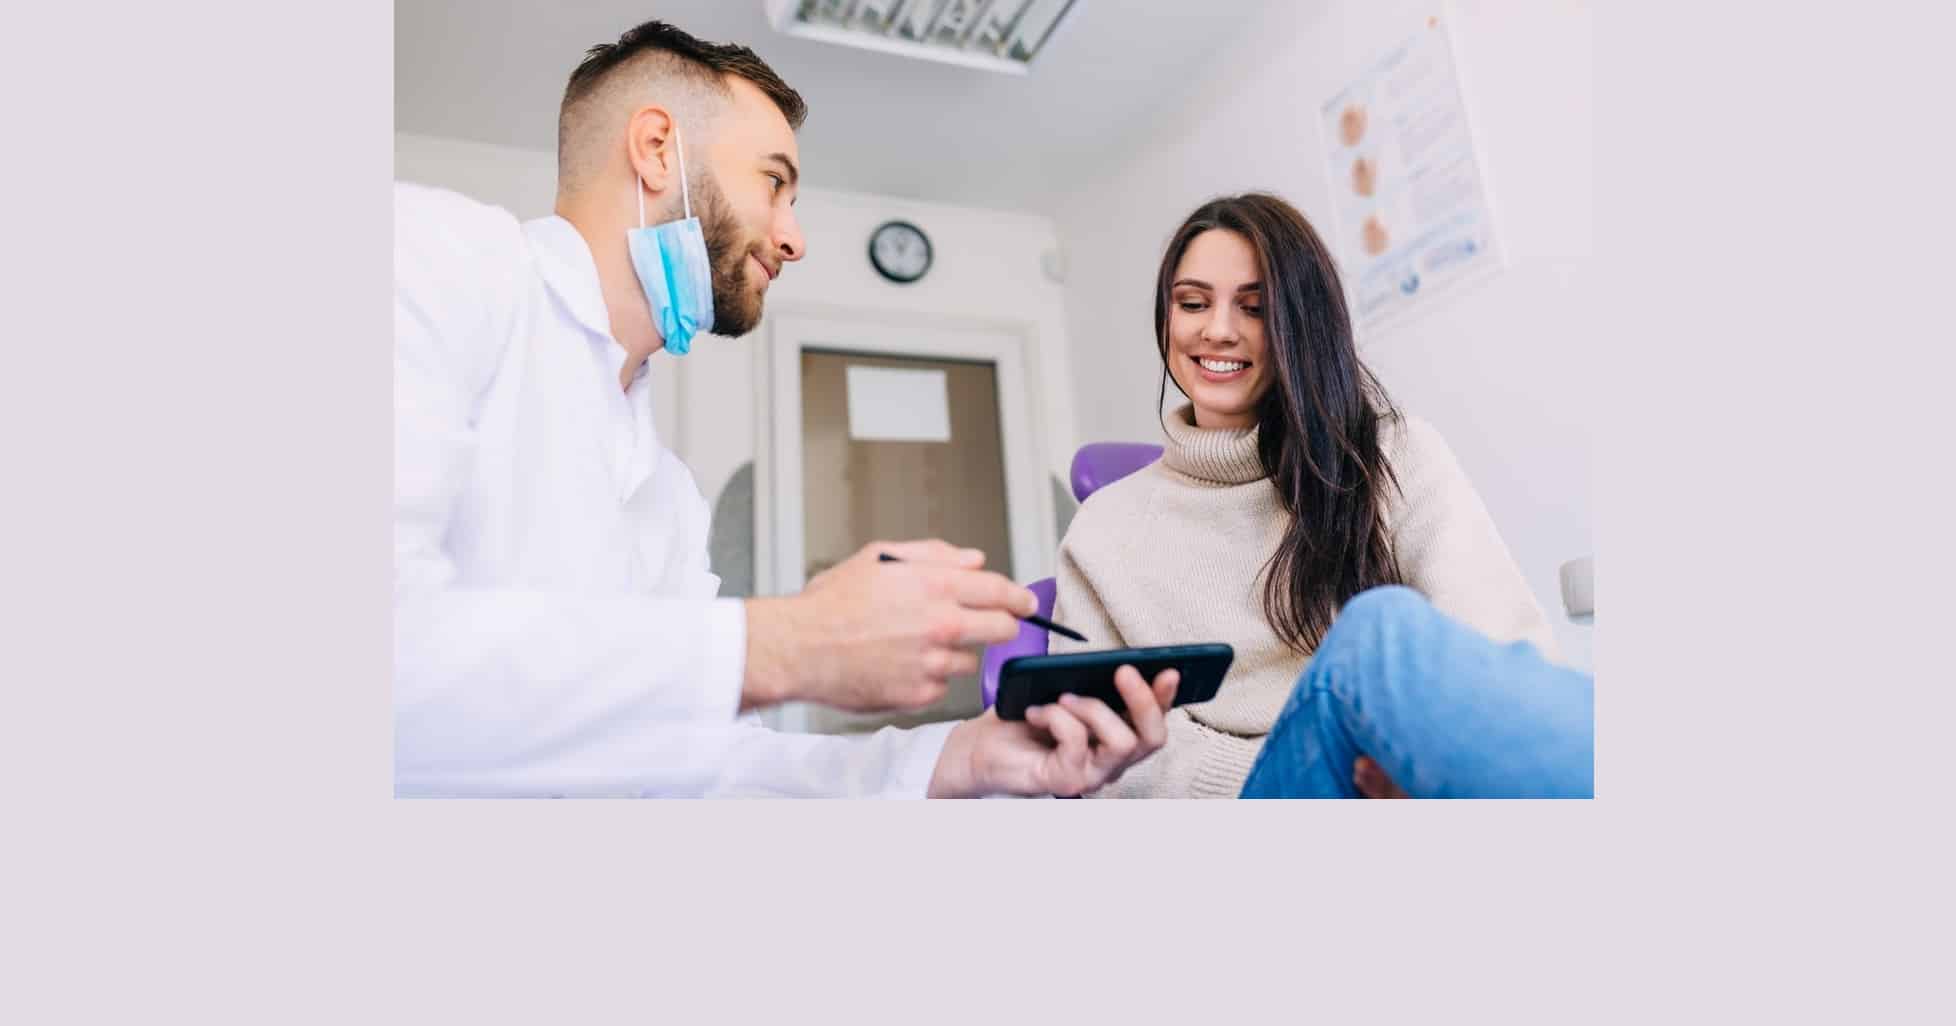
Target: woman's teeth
1222	366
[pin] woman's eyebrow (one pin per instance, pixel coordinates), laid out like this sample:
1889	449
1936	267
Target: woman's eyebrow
1255	286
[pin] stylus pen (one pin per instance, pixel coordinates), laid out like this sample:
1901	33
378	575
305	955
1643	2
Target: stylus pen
1033	618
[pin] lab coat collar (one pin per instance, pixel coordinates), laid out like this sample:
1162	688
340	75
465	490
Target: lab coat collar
565	261
567	267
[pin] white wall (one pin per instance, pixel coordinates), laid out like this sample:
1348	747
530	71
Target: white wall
1503	368
523	182
986	272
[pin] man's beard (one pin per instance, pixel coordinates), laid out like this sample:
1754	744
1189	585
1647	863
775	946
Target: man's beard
736	309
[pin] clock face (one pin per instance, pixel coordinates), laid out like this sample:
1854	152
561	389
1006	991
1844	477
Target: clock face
900	251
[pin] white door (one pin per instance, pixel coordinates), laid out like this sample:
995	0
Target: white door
837	468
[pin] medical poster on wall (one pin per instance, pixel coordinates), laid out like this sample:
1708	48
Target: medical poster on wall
1409	203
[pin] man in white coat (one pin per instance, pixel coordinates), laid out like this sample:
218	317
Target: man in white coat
556	625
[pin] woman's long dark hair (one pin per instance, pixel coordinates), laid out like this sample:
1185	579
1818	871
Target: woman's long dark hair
1319	425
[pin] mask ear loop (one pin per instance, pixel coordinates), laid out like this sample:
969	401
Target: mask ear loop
685	194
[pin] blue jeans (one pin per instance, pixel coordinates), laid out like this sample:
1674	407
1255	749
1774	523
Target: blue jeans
1443	710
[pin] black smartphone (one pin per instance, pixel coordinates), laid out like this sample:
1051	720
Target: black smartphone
1037	680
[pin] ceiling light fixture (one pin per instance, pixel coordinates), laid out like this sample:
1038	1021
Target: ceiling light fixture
996	35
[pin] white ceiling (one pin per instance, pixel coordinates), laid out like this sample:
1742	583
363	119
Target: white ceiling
493	71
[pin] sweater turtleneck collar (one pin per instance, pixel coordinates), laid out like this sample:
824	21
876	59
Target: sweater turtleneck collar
1219	456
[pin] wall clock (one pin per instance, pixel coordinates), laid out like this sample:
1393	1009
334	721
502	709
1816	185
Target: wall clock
900	251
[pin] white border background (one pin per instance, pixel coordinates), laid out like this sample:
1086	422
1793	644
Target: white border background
197	733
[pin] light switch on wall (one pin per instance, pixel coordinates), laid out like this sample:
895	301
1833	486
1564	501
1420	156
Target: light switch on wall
1579	589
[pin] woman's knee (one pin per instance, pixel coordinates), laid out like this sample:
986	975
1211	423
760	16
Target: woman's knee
1362	629
1378	609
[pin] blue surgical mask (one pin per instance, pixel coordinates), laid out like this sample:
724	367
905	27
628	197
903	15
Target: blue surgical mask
673	268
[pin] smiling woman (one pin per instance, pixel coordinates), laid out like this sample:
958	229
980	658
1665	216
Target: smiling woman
1302	483
1215	333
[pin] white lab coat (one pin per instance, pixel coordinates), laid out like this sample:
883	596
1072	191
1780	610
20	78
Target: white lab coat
555	625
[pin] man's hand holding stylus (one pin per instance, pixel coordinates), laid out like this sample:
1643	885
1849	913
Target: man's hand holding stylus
869	636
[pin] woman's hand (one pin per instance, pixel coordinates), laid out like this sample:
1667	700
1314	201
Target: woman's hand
1069	748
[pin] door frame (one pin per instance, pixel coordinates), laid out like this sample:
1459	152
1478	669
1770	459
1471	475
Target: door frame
779	541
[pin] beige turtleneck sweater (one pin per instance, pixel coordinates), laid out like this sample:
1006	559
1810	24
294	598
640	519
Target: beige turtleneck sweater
1173	554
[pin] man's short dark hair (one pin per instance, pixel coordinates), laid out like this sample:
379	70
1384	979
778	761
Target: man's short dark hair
706	63
696	70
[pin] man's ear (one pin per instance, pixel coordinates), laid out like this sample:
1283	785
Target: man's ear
649	147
